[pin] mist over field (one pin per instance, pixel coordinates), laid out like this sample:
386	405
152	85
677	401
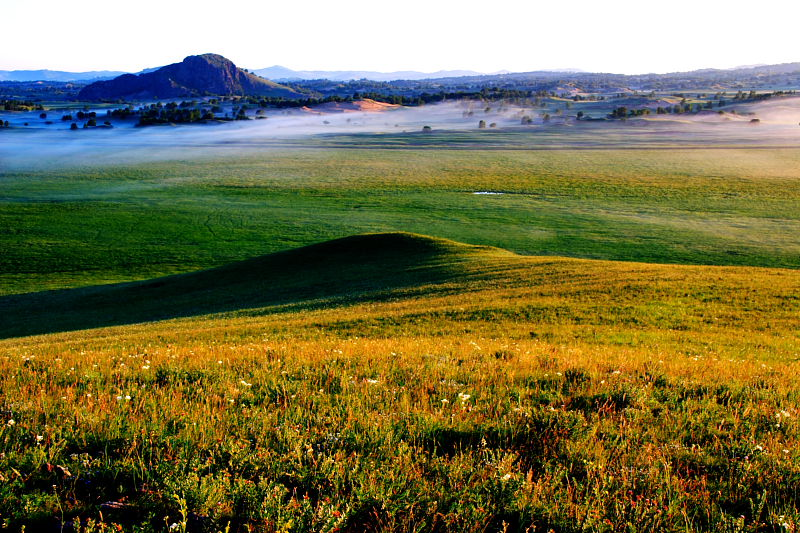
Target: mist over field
42	147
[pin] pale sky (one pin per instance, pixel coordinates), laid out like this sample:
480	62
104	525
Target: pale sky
623	36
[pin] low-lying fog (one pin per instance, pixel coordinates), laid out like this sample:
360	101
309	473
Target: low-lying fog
55	145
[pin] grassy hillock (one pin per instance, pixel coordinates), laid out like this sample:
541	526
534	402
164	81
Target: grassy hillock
394	382
351	269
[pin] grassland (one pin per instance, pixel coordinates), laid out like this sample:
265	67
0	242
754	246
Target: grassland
626	360
83	226
494	393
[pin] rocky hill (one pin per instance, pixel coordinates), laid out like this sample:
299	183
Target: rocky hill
202	75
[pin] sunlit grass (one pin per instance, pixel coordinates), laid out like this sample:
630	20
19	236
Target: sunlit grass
563	394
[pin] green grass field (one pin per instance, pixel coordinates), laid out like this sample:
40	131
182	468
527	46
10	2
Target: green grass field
80	227
611	345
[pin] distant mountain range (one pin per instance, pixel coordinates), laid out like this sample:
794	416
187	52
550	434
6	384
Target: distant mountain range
57	75
279	73
211	74
201	75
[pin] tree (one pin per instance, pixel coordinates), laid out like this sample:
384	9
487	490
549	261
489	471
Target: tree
73	126
426	129
482	124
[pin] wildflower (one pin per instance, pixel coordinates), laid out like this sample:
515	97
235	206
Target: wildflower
127	398
119	397
463	397
444	401
146	367
219	362
372	381
245	384
506	477
39	438
11	422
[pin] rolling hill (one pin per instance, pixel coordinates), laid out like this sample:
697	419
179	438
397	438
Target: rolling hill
379	267
351	268
200	75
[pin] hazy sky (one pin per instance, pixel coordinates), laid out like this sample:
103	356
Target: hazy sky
626	36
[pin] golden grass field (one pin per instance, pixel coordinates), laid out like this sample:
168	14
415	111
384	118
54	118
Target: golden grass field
502	393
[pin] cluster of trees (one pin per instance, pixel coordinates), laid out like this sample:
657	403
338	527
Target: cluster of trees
20	105
80	115
687	107
623	112
4	124
186	112
172	115
122	113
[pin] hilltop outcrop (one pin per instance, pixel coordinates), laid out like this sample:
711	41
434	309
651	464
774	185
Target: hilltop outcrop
201	75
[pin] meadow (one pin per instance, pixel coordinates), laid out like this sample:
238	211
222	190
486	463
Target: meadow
611	344
502	393
81	226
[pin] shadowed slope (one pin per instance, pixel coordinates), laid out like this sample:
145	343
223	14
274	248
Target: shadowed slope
353	268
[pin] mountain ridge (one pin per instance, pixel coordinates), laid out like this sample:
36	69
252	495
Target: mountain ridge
57	75
280	73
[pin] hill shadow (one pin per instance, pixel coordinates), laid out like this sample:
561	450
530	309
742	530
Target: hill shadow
352	269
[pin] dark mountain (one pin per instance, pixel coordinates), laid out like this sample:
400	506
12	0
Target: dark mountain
203	75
